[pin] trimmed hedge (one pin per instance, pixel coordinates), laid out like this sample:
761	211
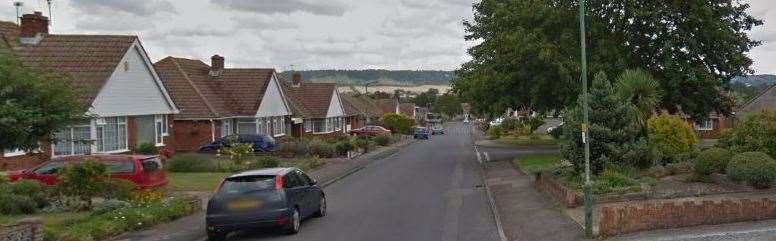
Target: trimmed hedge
713	160
755	168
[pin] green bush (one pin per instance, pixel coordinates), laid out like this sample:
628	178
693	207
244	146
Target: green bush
110	205
613	181
713	160
383	140
31	189
495	132
190	162
120	189
237	152
362	142
510	124
147	149
671	135
398	124
755	168
322	149
679	167
344	146
13	204
311	163
265	162
85	180
756	133
534	123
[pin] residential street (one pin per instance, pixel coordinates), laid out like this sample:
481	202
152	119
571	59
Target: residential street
428	191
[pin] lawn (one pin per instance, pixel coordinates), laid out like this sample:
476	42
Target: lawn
529	140
199	182
537	162
52	222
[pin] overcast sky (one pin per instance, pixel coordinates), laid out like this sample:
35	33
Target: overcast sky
306	34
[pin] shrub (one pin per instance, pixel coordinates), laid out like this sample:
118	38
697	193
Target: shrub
322	149
287	149
397	123
495	132
713	160
362	142
237	152
265	162
671	135
120	189
534	123
147	197
343	147
31	189
510	124
613	181
85	181
13	204
383	140
311	163
147	149
110	205
755	168
191	163
679	167
756	133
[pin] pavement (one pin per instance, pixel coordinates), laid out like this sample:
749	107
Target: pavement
424	191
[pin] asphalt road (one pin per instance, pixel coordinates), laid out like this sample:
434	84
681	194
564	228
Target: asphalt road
428	191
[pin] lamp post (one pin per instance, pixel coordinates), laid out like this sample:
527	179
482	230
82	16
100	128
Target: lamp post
586	120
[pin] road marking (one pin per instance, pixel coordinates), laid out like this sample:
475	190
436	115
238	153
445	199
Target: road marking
479	158
487	157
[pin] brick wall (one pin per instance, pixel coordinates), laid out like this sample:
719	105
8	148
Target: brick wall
634	218
557	191
26	161
190	135
26	230
718	125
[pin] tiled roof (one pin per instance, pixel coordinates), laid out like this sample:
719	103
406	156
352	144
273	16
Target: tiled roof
364	105
235	92
349	103
310	100
387	106
88	60
407	109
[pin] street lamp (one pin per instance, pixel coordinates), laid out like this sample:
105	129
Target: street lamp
585	137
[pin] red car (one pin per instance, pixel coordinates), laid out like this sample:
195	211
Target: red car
370	131
145	171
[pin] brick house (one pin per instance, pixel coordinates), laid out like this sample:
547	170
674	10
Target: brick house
116	80
711	127
216	102
317	108
366	108
395	106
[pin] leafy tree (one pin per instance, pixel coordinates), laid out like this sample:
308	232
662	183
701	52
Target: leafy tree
397	123
527	52
33	104
447	104
611	128
641	92
756	133
427	98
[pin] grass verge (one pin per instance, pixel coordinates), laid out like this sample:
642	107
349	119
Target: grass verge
533	140
537	162
197	182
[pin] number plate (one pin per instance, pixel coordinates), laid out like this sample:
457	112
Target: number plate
243	204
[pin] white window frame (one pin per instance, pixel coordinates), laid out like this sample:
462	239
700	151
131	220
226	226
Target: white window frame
245	121
121	120
226	127
705	125
14	153
308	125
71	130
160	129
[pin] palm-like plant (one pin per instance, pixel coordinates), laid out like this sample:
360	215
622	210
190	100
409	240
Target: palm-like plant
641	92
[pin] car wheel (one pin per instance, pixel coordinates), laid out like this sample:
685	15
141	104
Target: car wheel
216	236
294	223
321	208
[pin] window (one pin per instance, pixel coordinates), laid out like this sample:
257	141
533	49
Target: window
705	125
246	126
319	125
308	125
278	126
160	128
226	128
244	184
120	166
112	134
12	153
75	140
50	168
152	164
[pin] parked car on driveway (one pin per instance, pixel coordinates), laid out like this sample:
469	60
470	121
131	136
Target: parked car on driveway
370	131
273	197
421	133
145	171
260	143
437	130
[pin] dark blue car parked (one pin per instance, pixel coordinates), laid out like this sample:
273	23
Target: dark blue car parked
421	133
261	143
272	197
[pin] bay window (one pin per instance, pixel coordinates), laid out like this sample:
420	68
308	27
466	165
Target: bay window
278	126
111	133
74	140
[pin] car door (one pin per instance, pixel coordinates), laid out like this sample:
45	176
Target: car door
314	192
310	199
152	173
294	192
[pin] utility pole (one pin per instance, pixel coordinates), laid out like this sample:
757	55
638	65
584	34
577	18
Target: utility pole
18	6
51	16
585	137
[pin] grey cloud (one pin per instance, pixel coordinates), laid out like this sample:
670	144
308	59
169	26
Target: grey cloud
135	7
263	23
316	7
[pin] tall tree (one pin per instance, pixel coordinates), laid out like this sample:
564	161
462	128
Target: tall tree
427	98
641	93
527	51
448	104
33	105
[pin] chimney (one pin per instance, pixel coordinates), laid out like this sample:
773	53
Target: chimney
296	80
216	65
33	25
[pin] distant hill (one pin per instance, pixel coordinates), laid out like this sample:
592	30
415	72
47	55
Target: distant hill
376	76
761	80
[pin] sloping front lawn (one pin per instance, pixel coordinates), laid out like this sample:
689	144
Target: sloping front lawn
528	140
537	162
195	182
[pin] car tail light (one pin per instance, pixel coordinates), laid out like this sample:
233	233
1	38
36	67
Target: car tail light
282	220
278	182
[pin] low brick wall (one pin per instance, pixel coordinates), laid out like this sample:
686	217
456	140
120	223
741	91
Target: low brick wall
634	218
557	191
26	230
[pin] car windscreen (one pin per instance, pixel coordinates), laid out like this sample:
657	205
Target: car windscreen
120	166
247	184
